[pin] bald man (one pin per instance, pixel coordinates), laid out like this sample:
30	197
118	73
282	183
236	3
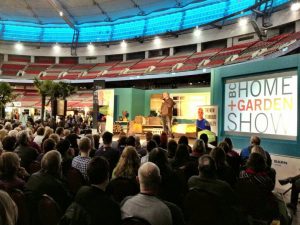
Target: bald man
167	112
245	153
146	205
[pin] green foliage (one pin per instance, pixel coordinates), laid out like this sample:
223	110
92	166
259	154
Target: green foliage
6	94
53	89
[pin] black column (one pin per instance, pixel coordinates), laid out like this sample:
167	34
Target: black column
98	85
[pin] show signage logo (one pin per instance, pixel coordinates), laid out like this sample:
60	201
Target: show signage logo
265	105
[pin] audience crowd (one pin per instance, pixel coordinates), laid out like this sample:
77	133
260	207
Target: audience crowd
92	179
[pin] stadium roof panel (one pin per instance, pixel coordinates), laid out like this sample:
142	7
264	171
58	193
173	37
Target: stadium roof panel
109	20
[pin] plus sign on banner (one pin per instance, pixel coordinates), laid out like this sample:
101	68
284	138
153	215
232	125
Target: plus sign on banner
265	105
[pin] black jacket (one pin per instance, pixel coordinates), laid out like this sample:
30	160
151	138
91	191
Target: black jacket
92	206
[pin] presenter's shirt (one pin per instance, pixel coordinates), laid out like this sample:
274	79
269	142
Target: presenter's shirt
203	124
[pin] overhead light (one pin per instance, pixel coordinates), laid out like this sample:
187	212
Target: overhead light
243	21
157	40
90	47
197	31
19	46
123	44
61	13
56	47
295	6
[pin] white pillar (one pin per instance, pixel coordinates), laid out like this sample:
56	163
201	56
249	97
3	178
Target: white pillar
5	58
171	51
124	57
297	26
56	60
229	42
199	47
146	54
32	59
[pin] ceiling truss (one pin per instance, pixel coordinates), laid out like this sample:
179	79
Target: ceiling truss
108	19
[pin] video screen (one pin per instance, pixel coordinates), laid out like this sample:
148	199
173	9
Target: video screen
264	105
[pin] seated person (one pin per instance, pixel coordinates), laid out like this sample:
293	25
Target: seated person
295	181
106	150
48	145
214	202
47	181
224	171
9	170
254	188
8	209
245	153
201	123
25	152
92	200
158	212
81	161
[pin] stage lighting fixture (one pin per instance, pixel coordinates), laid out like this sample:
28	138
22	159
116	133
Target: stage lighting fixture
56	47
197	31
157	40
123	44
61	13
295	6
90	47
243	21
19	46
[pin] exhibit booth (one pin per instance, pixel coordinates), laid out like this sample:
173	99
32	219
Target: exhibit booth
261	98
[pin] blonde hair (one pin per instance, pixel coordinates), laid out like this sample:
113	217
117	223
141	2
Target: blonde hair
8	209
55	137
3	134
51	162
48	132
66	132
128	164
13	133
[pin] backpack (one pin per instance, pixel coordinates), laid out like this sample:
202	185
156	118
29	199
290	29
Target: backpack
75	215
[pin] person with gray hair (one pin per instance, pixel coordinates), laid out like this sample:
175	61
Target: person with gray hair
8	209
158	212
24	150
47	181
245	153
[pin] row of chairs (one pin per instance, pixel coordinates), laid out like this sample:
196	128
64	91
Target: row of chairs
49	212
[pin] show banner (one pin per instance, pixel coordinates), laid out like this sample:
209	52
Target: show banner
265	105
106	101
210	113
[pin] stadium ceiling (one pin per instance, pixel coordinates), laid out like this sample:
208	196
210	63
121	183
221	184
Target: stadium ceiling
111	20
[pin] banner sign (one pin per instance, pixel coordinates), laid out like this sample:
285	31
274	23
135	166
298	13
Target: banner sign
265	105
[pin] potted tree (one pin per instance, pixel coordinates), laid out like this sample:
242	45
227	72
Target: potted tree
6	96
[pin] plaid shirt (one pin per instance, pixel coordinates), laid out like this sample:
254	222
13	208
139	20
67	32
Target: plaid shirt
81	164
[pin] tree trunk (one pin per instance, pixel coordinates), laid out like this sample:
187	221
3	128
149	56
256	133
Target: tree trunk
63	118
2	112
43	108
53	112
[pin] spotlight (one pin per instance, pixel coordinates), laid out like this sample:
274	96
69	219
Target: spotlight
56	47
295	6
123	44
19	46
90	47
197	32
61	13
157	40
243	21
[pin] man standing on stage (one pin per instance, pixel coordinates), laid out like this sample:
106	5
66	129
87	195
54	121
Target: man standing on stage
167	112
